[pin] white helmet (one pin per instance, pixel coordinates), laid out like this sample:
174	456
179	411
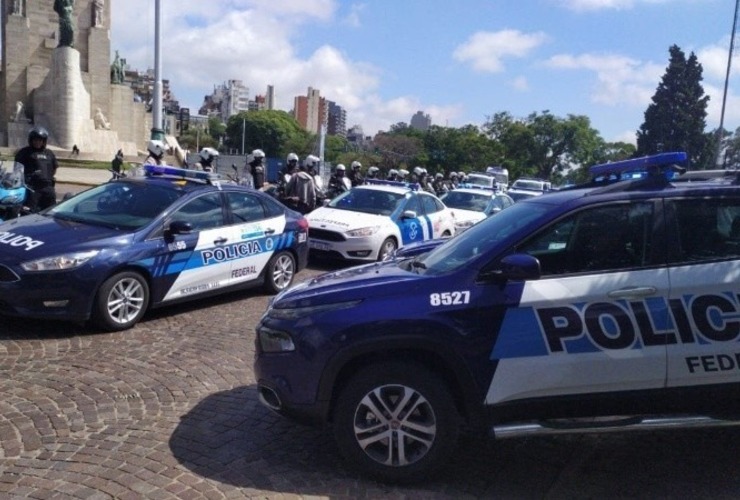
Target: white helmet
356	165
156	148
402	173
292	157
418	171
340	168
258	154
311	161
373	171
208	154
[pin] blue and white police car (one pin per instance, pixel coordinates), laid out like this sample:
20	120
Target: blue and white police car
473	204
114	251
369	222
603	307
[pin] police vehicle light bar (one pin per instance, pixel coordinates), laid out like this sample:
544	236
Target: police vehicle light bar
380	182
642	164
180	173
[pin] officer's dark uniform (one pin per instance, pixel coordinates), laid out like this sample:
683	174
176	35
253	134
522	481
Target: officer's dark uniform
39	167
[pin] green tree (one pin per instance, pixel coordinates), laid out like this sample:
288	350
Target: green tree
676	119
274	132
216	128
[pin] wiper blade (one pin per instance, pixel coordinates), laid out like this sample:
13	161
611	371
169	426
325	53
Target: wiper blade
417	264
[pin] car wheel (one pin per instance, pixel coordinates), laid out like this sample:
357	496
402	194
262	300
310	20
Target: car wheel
396	422
279	272
387	248
121	301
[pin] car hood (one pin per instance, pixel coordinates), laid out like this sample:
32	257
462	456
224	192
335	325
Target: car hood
467	215
342	220
36	236
354	283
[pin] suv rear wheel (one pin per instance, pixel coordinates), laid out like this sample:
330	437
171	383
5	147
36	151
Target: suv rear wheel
396	421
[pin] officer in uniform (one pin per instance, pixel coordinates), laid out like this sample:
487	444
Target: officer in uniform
39	168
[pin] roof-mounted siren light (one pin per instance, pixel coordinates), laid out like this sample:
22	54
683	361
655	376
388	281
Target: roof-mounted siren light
183	173
667	164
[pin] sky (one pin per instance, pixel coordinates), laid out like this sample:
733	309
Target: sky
460	61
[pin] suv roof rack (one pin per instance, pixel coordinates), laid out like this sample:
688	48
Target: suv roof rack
181	174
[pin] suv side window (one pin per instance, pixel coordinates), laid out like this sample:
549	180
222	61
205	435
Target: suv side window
604	238
707	229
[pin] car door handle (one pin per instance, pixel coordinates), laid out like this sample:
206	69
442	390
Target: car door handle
220	241
632	292
269	231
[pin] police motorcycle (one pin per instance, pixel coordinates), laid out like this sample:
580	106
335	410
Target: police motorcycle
13	192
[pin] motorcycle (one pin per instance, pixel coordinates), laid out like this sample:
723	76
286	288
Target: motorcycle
13	192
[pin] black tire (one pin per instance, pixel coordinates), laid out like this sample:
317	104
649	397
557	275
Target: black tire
407	453
387	248
121	301
279	273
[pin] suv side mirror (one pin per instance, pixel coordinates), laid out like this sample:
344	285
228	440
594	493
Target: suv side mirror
408	214
514	267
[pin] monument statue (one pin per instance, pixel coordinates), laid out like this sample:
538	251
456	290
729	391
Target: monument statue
116	70
98	12
101	123
18	7
65	9
18	115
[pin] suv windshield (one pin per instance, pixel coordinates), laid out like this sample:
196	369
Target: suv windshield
467	246
466	201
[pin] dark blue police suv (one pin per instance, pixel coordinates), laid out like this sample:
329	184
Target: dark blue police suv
610	306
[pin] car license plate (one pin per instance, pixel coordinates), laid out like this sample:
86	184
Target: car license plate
316	245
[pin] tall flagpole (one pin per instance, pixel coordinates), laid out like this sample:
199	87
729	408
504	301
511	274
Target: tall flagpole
157	126
720	131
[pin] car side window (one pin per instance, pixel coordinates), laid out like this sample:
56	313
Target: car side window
707	229
605	238
414	205
429	205
203	212
245	207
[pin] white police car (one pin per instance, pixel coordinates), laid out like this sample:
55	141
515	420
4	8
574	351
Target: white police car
369	222
115	250
525	188
472	205
602	307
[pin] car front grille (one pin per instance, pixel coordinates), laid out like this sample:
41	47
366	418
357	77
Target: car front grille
323	234
7	275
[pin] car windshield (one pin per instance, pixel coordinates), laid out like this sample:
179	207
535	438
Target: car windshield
480	180
527	184
459	251
521	195
369	201
119	205
466	201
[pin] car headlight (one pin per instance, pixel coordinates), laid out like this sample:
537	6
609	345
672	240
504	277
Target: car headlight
59	262
362	232
274	340
294	313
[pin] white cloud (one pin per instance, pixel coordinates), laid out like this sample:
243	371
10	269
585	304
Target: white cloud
621	80
520	83
353	19
485	51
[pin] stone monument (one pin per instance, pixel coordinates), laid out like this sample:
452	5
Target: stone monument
56	64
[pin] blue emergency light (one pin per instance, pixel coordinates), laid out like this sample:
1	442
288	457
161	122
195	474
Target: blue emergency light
414	186
638	167
180	173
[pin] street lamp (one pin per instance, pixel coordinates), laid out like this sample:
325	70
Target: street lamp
727	80
157	132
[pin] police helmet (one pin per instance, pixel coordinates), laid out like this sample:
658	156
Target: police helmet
292	157
356	165
340	168
208	154
38	133
258	154
402	173
418	171
373	171
156	148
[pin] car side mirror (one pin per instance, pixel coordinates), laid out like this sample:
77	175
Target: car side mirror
180	227
408	214
514	267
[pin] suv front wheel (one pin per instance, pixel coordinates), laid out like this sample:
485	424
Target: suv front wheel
396	421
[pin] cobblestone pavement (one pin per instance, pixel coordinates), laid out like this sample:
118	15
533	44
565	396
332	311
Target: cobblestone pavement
169	410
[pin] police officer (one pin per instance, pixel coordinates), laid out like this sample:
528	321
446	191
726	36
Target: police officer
156	150
337	182
207	157
257	168
373	172
39	168
355	174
